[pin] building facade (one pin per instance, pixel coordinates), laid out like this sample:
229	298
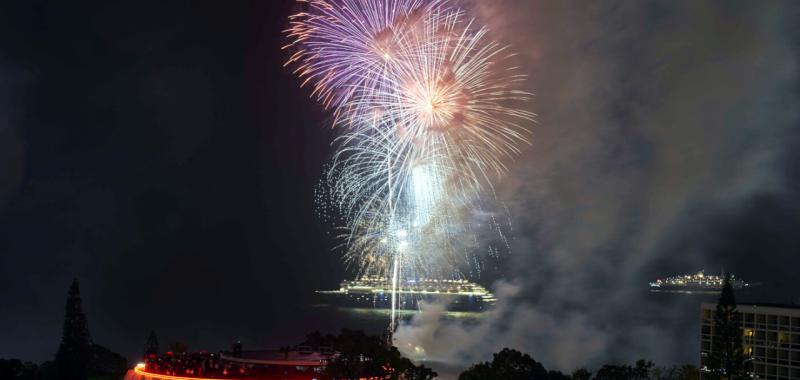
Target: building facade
770	339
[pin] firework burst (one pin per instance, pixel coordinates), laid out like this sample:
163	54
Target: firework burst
426	103
346	45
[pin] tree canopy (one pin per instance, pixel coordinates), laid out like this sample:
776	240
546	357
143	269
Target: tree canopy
151	347
727	355
364	355
72	358
509	364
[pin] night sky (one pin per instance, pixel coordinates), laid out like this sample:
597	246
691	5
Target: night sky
161	154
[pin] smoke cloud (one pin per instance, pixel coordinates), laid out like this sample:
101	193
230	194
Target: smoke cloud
664	145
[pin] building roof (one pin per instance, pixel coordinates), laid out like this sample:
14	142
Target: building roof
777	305
277	357
767	307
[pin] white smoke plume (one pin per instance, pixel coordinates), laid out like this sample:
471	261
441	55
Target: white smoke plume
655	120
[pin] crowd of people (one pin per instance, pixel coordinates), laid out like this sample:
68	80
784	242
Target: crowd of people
213	366
199	364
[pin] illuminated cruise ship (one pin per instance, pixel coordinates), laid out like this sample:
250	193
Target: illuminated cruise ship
698	282
376	292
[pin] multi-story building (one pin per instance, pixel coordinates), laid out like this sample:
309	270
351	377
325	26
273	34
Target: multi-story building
770	339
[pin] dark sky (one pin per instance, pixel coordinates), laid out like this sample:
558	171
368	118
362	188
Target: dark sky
161	154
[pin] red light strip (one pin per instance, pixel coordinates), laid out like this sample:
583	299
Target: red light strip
139	371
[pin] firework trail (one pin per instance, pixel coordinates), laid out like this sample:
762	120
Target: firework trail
426	105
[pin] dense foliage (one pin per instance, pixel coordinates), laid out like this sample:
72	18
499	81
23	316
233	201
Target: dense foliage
727	356
18	370
72	358
362	355
509	364
151	347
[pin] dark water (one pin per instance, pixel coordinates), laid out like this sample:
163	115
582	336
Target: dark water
289	325
375	321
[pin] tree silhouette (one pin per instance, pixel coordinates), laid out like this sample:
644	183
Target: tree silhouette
688	372
727	356
17	370
480	371
72	358
361	355
616	372
419	373
581	374
104	363
509	364
236	349
151	347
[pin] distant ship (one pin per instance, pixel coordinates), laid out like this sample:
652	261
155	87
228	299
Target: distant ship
376	292
695	283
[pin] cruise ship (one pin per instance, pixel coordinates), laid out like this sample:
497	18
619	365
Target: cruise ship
376	292
695	283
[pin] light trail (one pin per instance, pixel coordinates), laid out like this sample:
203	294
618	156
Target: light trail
150	375
142	372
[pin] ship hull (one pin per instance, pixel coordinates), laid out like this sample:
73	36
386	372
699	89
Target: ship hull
383	300
690	289
685	289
